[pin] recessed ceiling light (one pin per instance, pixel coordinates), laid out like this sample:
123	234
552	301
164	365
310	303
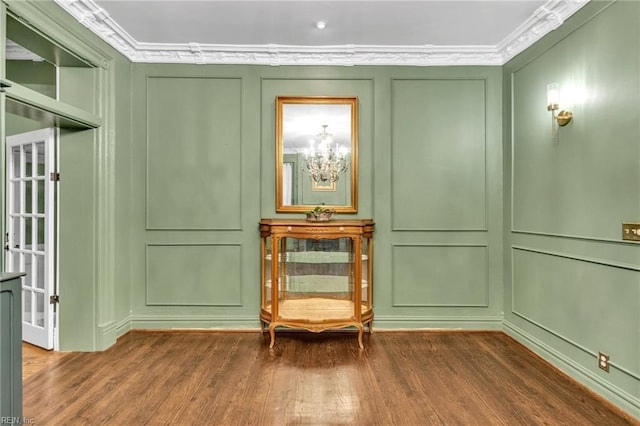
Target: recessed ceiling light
321	25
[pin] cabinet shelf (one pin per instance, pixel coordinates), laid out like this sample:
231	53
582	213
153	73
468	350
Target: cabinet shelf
322	274
314	257
318	309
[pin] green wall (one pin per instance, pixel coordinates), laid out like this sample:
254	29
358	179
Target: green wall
430	174
38	76
15	124
93	232
572	286
481	221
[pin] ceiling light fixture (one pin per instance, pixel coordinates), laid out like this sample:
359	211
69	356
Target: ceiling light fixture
321	25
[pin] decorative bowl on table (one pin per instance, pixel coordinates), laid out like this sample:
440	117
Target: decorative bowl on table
320	214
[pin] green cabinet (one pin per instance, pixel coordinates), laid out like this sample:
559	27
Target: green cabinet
10	346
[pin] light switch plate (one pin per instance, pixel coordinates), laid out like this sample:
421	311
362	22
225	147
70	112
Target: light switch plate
631	231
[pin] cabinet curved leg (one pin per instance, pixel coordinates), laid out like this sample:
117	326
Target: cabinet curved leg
360	333
272	333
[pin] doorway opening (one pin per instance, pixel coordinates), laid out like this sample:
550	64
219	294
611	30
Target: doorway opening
30	230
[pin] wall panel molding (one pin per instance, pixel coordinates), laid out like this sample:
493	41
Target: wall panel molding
574	186
194	275
437	170
594	260
462	290
558	334
194	153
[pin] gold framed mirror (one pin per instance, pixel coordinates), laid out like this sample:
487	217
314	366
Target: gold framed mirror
316	153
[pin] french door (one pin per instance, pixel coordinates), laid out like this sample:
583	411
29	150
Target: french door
30	238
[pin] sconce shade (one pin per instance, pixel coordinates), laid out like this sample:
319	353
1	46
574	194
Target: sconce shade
553	96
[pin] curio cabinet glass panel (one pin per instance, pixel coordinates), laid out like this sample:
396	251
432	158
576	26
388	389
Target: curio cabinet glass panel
316	276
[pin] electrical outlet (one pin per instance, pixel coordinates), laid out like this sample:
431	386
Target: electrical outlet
603	361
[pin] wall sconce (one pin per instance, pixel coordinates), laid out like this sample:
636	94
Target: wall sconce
553	100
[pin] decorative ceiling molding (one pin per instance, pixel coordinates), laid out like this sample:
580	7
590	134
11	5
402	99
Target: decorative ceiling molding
545	19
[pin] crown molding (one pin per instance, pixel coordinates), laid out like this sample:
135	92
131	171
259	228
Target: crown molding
545	19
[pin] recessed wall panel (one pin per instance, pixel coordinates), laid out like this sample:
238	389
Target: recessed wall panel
438	275
200	275
595	306
438	155
586	182
193	153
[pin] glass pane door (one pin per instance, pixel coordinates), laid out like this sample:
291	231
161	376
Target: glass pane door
29	239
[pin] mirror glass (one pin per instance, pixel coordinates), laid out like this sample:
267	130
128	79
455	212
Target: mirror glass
316	153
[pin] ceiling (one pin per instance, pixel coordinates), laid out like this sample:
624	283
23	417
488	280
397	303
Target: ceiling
418	32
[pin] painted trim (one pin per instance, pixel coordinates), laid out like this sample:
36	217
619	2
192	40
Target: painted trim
26	96
38	16
577	237
549	330
452	323
544	20
595	260
105	167
413	305
576	371
485	227
109	333
173	322
235	227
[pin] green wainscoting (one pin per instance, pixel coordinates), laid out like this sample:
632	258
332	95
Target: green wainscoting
482	221
203	157
572	286
199	275
588	181
194	142
440	275
317	81
546	286
439	154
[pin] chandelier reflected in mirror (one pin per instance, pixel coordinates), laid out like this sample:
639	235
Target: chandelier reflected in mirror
325	160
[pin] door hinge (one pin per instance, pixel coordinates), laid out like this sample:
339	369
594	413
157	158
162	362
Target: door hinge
54	176
54	298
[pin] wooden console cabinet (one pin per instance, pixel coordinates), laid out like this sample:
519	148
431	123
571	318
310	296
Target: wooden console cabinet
316	275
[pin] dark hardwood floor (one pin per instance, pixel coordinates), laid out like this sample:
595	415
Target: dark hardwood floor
400	378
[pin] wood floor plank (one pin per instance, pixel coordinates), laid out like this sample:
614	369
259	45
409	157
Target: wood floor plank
400	378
